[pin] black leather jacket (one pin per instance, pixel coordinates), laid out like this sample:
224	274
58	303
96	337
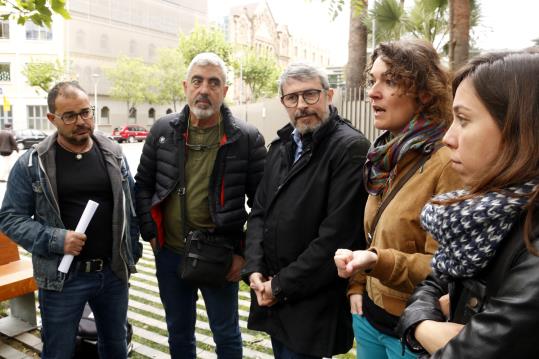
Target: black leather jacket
238	168
499	307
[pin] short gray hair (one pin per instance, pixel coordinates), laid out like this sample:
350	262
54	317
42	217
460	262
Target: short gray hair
206	59
302	71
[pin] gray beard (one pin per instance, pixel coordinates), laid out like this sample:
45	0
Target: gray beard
303	129
203	114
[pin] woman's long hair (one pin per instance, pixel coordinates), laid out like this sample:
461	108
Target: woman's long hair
508	86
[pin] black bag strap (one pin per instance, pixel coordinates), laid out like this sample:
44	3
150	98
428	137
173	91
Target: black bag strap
181	191
385	202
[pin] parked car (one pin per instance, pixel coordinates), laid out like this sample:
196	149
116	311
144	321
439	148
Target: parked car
130	133
26	138
109	136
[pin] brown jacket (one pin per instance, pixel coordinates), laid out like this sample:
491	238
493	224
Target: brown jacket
404	249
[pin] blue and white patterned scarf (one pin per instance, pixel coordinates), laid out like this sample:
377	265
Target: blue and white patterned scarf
469	231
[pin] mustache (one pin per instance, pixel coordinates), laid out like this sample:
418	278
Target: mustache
82	128
304	112
203	97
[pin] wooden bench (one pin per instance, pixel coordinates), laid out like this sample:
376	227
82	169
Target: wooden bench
17	285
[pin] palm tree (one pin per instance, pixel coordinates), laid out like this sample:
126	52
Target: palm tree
459	34
357	45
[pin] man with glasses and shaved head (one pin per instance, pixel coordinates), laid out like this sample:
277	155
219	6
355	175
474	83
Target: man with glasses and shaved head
309	203
47	192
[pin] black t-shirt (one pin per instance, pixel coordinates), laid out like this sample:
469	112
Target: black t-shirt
80	180
378	317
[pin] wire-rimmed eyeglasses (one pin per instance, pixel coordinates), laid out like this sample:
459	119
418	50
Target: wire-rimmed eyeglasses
310	97
71	117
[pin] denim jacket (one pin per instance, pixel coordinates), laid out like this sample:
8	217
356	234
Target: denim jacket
30	214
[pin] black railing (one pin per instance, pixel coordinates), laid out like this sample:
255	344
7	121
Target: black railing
354	105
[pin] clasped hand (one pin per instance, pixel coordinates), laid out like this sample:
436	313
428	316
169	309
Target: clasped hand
348	262
262	288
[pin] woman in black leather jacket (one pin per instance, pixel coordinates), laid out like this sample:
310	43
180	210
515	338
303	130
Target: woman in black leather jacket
488	258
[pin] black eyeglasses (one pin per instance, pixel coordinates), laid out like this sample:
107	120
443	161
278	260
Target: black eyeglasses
71	117
310	97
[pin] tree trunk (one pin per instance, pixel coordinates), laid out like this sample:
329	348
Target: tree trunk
357	47
459	34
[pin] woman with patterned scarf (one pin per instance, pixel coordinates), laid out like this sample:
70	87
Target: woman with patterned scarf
406	166
488	258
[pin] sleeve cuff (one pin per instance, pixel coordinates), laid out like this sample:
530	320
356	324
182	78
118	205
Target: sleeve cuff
384	266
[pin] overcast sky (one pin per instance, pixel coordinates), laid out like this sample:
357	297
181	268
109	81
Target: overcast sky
504	24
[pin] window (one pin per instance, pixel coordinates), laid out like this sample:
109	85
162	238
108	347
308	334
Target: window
132	47
37	118
34	32
104	42
151	115
81	36
5	72
133	114
169	110
5	117
104	118
4	29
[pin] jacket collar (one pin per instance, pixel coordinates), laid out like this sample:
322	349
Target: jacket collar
179	123
104	144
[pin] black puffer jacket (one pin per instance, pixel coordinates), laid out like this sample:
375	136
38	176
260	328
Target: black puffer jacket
500	306
238	168
302	214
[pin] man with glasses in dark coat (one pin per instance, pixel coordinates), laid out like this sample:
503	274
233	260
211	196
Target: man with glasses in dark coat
309	203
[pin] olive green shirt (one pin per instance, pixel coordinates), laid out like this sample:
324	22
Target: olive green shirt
198	168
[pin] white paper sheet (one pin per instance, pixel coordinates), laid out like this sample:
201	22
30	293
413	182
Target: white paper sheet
84	220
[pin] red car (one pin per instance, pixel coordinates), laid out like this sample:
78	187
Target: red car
129	133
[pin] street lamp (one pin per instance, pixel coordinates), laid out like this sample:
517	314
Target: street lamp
95	79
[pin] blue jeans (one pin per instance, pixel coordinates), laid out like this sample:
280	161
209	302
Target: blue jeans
282	352
61	313
179	300
373	344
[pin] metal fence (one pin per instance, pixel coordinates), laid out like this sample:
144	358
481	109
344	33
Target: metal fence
354	105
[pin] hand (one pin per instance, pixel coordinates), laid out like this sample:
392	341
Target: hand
348	262
342	258
434	335
262	288
153	243
234	274
74	242
356	304
444	304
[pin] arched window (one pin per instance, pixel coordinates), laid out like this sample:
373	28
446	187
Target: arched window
151	115
104	118
133	114
132	47
169	111
80	38
104	42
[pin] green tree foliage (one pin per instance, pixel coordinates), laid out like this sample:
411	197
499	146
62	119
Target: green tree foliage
38	11
427	19
43	74
129	82
260	73
168	74
204	39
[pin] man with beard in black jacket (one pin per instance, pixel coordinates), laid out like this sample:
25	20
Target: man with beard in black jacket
310	202
196	169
